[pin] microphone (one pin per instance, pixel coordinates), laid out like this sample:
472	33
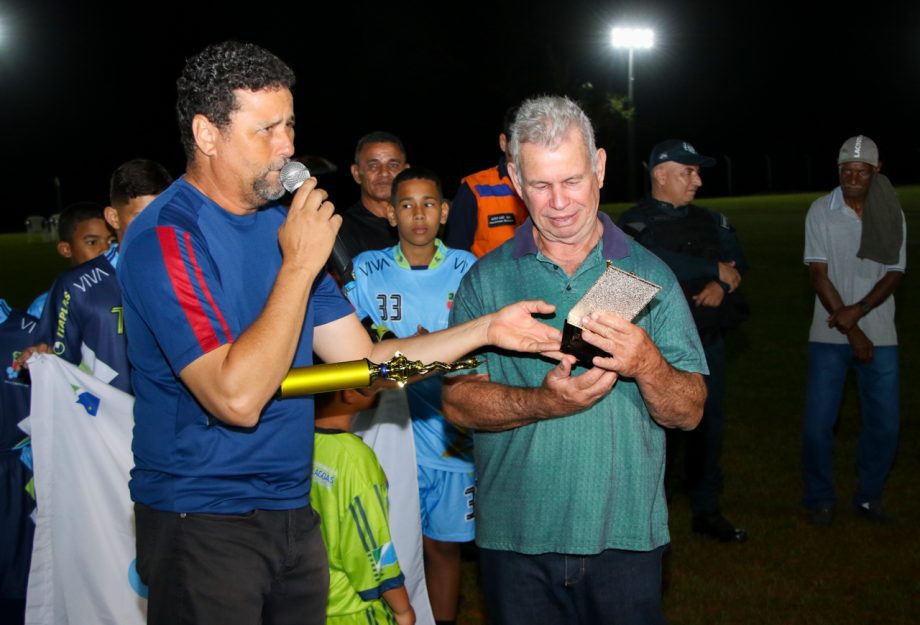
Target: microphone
293	175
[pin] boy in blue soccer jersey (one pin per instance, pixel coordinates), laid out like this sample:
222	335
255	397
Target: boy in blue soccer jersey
82	236
16	526
406	289
82	318
349	491
83	233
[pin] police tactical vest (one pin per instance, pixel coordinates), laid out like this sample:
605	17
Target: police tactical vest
696	234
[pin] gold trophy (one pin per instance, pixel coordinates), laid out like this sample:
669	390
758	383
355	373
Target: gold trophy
360	373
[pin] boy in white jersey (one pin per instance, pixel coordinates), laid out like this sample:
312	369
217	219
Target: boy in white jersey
406	289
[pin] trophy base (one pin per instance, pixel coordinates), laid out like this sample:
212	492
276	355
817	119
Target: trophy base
573	344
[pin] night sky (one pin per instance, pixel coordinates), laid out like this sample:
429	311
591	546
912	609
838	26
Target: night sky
85	86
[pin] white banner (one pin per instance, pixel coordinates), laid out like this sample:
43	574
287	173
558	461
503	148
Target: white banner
83	569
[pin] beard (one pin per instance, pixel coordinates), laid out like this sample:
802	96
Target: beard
265	188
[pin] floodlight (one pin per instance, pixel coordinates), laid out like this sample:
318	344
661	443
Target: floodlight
632	38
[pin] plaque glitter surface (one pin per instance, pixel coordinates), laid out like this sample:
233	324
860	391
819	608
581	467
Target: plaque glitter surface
616	291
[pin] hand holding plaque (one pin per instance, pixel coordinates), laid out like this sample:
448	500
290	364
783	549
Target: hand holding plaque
617	291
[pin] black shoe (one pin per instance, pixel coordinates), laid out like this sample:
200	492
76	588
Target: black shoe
872	511
823	515
714	525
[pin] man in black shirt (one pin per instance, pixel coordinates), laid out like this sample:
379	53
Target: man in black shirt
379	156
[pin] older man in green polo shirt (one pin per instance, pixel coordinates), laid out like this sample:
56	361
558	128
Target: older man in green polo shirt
571	513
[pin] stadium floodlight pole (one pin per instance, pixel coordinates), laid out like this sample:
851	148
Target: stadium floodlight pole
631	39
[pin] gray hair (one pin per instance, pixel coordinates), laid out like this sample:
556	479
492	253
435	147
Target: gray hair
545	121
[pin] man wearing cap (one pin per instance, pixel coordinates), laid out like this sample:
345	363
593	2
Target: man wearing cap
855	252
702	250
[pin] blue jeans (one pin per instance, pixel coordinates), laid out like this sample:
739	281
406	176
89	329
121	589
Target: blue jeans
614	586
877	380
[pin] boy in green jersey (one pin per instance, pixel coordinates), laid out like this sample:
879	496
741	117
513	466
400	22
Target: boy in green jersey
349	491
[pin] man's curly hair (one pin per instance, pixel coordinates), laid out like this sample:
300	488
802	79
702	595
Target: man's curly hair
209	78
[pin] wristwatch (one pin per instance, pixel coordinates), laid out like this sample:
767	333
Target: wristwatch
864	307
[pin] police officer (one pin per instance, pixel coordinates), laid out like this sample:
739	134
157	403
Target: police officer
702	250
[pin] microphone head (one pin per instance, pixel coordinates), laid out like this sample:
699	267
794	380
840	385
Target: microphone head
293	174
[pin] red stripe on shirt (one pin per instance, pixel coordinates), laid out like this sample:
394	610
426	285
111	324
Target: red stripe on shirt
185	292
204	287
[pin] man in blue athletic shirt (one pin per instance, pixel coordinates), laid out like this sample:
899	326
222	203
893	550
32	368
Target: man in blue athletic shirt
224	291
82	318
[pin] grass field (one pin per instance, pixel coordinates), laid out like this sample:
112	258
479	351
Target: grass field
789	572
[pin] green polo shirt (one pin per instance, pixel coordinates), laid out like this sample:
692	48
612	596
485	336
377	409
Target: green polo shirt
593	480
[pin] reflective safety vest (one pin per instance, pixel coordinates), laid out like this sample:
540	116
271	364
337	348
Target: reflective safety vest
499	211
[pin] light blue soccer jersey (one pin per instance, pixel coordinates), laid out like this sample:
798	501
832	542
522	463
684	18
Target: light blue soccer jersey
400	298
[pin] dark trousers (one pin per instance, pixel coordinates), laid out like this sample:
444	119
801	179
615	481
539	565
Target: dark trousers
613	587
266	566
17	530
703	445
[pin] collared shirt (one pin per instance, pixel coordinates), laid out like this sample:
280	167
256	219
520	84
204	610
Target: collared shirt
832	236
592	480
440	251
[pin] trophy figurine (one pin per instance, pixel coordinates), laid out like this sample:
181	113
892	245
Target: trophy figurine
360	373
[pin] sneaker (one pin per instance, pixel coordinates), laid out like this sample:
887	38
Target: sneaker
714	525
872	511
823	515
